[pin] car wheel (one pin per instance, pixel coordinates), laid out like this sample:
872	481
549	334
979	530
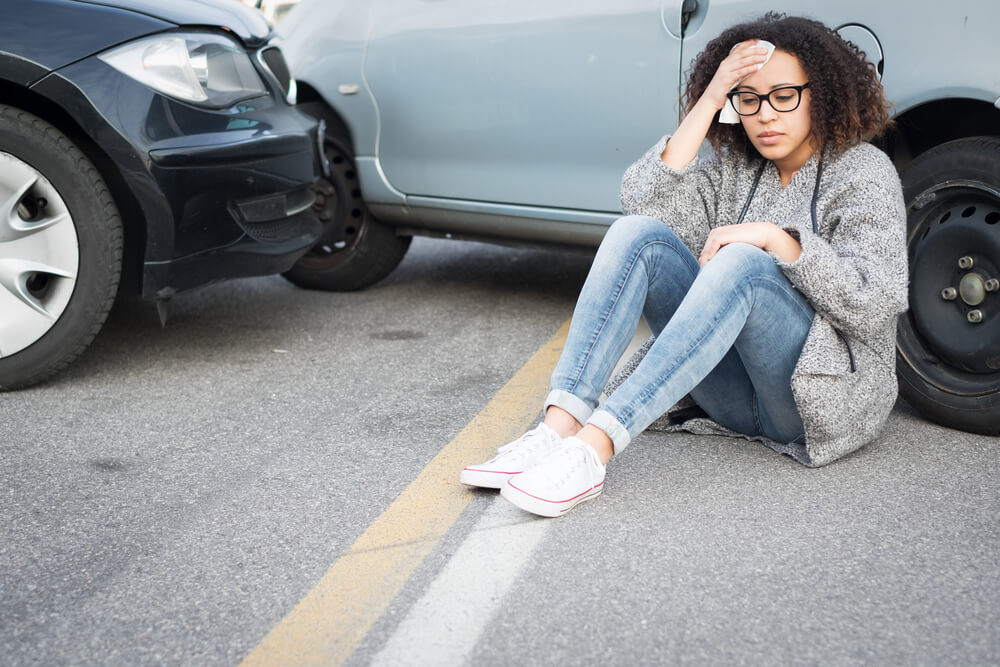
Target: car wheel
60	250
356	250
948	348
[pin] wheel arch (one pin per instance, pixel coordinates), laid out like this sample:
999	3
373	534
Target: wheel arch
927	125
335	123
133	220
368	249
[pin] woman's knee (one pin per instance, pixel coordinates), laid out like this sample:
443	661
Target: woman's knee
742	258
737	264
634	232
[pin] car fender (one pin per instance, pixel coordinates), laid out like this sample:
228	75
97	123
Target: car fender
317	50
156	219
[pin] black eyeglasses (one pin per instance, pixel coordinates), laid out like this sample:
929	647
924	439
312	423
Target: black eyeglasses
783	99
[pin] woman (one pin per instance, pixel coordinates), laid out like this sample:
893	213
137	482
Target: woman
770	273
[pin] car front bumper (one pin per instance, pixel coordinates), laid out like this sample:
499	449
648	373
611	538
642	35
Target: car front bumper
216	193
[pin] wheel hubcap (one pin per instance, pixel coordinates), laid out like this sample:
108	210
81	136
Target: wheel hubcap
39	255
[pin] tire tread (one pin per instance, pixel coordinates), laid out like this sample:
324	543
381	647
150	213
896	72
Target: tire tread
110	232
976	414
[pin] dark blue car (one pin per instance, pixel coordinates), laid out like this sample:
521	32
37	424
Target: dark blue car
152	146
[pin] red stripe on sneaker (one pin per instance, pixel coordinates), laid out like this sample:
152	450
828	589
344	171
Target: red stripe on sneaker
556	502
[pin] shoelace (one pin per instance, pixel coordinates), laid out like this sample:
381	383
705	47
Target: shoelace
527	443
576	454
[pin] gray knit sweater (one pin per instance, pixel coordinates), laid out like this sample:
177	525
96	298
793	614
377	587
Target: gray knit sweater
853	273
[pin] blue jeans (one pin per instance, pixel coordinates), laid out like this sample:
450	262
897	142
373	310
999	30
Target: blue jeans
729	333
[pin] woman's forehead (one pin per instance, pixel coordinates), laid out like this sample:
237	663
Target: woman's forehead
783	69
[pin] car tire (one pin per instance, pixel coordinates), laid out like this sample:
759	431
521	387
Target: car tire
60	250
948	347
355	250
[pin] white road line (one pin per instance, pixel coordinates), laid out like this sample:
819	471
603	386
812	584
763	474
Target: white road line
443	627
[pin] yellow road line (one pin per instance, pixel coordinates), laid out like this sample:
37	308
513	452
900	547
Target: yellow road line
328	623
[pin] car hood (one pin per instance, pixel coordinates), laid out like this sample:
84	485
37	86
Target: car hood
247	23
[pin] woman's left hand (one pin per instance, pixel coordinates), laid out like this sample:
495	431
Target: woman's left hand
764	235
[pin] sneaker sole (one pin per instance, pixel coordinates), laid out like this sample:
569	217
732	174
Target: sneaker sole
486	479
547	508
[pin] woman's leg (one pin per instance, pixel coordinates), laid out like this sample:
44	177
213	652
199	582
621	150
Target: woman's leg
750	390
733	340
640	261
740	312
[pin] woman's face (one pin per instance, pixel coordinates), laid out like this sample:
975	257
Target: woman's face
785	138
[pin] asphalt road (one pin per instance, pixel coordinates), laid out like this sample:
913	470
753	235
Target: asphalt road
174	495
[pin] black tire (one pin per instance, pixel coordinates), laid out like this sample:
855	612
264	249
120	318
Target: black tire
65	198
948	348
356	250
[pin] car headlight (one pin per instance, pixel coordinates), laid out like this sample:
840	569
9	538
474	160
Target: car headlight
202	68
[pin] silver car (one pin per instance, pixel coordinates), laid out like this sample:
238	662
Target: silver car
514	121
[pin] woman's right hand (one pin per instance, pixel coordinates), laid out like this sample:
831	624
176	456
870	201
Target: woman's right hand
683	145
743	60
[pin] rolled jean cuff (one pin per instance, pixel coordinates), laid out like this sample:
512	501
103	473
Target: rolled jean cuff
612	427
570	403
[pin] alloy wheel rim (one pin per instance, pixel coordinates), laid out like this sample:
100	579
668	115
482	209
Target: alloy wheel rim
39	255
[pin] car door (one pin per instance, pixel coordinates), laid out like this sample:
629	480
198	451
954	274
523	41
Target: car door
519	101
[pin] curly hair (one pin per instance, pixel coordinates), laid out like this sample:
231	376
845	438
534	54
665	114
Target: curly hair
848	105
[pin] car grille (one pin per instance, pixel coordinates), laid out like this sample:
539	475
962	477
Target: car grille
274	62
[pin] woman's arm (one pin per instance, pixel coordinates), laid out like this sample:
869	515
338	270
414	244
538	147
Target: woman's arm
856	273
683	146
667	183
764	235
686	200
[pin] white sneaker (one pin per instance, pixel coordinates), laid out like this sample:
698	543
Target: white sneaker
571	474
513	458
